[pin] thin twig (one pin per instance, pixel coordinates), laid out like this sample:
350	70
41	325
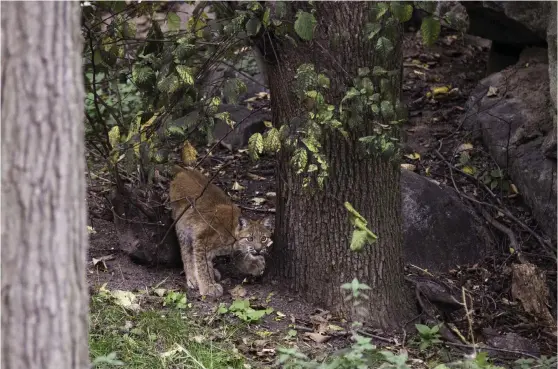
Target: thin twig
541	241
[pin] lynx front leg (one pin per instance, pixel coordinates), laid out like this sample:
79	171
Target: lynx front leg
251	265
204	272
186	251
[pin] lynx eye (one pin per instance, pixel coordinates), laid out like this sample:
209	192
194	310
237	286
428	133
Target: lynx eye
264	238
250	239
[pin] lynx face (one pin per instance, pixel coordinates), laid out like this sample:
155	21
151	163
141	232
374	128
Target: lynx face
254	236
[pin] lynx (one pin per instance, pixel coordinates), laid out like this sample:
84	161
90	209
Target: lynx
210	225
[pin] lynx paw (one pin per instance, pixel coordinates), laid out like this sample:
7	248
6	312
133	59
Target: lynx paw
191	282
217	274
258	266
213	290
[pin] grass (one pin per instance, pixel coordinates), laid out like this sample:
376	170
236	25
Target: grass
154	338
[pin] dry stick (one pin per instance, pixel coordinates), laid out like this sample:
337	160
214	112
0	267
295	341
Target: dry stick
490	348
542	242
258	210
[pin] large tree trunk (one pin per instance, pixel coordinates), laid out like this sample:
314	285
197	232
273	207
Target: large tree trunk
311	252
44	228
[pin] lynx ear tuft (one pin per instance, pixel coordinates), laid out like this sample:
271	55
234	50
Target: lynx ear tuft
243	222
268	222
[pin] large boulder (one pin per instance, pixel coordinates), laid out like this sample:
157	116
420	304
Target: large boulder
509	22
515	121
511	26
439	230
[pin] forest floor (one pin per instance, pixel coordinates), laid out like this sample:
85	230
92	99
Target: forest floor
201	328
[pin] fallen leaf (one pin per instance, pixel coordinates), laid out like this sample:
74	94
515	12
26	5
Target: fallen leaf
437	91
268	124
465	147
237	187
333	327
469	170
410	167
238	292
271	194
492	91
102	259
189	153
255	177
316	337
413	156
159	292
91	230
198	339
514	189
126	299
258	200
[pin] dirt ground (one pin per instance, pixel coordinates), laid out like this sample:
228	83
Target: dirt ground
454	61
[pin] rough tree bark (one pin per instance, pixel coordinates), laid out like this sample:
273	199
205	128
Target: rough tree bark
311	252
44	228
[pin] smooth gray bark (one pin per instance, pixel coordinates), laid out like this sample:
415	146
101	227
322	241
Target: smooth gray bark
44	229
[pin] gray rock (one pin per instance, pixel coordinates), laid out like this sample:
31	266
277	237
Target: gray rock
515	126
511	342
510	22
440	231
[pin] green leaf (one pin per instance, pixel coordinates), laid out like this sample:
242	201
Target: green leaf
382	9
114	136
358	240
233	88
401	12
265	18
97	57
299	160
185	74
253	26
387	109
423	330
222	309
323	81
304	25
362	72
255	145
239	305
280	9
430	30
372	29
173	21
496	173
272	142
384	46
379	71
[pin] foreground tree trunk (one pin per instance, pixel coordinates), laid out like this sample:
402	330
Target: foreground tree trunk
44	235
311	252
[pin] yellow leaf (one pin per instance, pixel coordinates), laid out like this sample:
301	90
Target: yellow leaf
465	147
410	167
268	124
512	250
189	153
469	169
237	187
427	171
114	136
437	91
514	188
413	156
